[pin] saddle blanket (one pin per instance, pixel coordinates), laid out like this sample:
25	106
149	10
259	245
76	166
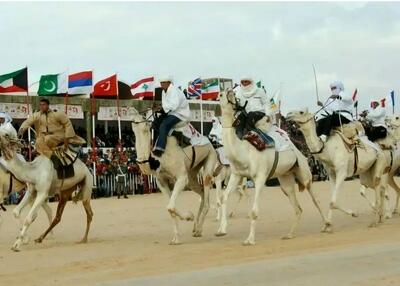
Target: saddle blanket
196	139
364	139
281	138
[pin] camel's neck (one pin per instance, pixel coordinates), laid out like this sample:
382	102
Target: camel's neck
143	144
20	168
229	136
313	142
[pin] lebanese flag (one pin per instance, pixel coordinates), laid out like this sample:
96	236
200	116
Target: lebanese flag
210	91
14	82
106	87
143	88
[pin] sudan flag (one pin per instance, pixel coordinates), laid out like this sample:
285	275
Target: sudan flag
14	82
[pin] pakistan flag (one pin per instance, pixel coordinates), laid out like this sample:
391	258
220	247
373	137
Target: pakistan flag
53	84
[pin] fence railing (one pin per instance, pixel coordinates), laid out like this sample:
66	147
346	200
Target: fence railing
135	184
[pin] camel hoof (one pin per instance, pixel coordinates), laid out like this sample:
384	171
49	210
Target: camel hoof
39	240
83	241
388	216
220	233
16	213
16	247
248	243
232	214
286	237
327	228
372	225
354	214
175	242
197	234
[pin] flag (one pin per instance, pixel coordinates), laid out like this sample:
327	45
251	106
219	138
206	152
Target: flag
355	98
210	91
80	83
383	102
194	88
392	97
258	83
106	87
275	102
14	82
143	88
53	84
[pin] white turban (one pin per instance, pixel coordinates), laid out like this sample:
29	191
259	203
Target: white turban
166	78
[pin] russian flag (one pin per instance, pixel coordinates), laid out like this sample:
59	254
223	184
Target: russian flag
80	83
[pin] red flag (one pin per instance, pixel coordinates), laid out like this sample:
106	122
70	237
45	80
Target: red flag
106	87
354	97
383	102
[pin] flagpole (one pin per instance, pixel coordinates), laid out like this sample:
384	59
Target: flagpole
28	109
316	83
66	103
119	118
94	149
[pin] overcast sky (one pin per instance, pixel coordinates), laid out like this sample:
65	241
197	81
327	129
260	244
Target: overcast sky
358	43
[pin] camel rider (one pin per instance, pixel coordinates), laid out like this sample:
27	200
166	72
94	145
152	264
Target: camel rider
376	117
175	109
337	111
254	100
215	135
5	118
52	128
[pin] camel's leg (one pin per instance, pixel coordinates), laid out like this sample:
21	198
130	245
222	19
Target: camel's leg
362	192
288	183
89	217
259	183
218	194
336	183
239	193
60	209
49	213
234	181
40	198
22	204
163	185
317	204
393	184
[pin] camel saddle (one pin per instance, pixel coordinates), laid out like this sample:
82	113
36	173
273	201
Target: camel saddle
349	134
259	139
63	160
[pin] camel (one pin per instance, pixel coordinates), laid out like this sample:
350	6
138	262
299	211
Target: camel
223	179
42	176
9	184
178	170
341	163
246	161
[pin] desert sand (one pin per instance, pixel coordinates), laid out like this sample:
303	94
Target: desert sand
128	245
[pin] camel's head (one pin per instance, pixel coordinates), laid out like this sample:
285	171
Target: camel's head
9	142
300	117
228	100
140	124
393	121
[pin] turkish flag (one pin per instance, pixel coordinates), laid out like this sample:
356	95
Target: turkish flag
106	87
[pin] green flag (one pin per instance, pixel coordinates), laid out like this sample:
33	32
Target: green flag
53	84
258	84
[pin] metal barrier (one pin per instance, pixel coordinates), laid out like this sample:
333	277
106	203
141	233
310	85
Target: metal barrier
135	183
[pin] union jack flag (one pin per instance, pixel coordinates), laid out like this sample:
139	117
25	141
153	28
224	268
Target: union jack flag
194	88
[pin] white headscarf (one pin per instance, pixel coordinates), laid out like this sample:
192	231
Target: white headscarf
6	116
250	90
336	87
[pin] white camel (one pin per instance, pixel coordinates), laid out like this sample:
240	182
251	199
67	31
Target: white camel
9	184
42	176
222	179
246	161
341	163
178	170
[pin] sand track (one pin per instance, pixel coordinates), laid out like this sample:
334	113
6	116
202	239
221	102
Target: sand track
129	239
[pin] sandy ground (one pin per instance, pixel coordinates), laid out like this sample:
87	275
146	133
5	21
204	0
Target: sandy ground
129	246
